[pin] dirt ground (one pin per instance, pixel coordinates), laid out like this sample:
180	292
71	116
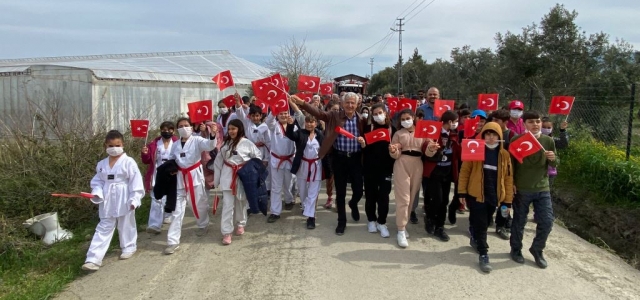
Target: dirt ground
284	260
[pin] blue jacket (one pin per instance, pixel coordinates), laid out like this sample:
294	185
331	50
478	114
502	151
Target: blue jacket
253	176
428	112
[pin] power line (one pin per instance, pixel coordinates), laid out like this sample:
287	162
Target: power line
384	46
363	51
414	2
423	1
409	19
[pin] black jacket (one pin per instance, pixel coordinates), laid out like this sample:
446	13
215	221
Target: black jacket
300	137
376	160
167	184
253	175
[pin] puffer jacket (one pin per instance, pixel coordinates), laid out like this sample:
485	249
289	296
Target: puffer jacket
253	175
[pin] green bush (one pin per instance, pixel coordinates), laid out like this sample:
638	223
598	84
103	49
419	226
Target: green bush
603	169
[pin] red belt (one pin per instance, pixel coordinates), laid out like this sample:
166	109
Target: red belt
234	175
312	165
187	179
282	158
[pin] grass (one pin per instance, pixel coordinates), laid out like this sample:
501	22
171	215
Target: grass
40	271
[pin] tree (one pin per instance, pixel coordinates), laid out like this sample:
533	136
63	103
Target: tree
293	58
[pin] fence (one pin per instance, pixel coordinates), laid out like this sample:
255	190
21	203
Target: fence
605	113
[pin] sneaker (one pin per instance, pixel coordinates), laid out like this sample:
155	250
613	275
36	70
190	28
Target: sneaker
516	255
288	206
502	233
340	229
226	239
301	206
171	249
329	203
272	218
126	255
372	227
311	223
428	225
384	231
413	218
483	260
240	230
402	239
406	233
355	213
90	267
202	231
167	220
441	234
153	230
540	261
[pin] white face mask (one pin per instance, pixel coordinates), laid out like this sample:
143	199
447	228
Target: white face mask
492	146
454	126
546	131
515	113
115	151
224	111
407	123
365	115
185	132
379	118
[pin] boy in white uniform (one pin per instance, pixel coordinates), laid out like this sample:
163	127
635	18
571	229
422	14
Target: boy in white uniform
281	157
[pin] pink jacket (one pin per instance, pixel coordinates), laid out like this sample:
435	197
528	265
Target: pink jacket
150	159
517	128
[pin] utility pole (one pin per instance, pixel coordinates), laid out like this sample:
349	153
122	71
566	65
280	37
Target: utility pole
399	31
371	63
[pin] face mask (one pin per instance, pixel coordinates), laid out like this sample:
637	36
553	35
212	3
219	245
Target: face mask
166	135
115	151
379	118
454	126
224	111
537	135
515	113
185	132
407	123
492	146
546	131
365	115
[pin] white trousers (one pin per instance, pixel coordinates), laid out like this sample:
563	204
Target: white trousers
308	195
294	185
233	207
156	212
182	201
127	232
280	182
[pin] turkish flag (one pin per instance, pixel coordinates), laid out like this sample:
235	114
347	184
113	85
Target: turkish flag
344	132
285	82
229	101
259	87
326	89
139	128
525	145
277	80
440	106
470	127
472	150
264	105
200	111
428	129
223	79
307	97
407	103
561	105
378	135
276	98
392	103
488	102
308	84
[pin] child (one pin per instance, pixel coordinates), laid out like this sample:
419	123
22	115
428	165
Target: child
441	170
235	152
255	130
225	116
413	218
281	157
407	169
485	185
561	141
155	154
307	165
117	187
501	116
191	187
532	182
483	119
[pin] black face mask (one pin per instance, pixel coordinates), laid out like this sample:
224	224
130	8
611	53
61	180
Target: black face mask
166	135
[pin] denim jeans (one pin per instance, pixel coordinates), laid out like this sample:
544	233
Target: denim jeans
544	217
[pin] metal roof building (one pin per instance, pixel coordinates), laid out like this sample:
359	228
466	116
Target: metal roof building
102	92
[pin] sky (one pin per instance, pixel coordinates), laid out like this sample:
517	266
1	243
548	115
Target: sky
252	29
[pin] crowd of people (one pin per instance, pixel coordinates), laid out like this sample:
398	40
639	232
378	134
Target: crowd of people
257	159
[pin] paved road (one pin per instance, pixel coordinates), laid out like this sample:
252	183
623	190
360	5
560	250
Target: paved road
286	261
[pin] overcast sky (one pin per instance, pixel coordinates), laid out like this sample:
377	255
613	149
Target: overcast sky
252	29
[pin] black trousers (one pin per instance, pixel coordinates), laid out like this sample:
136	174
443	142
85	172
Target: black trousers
479	215
377	188
438	189
347	168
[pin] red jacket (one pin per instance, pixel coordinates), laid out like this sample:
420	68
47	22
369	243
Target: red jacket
208	174
150	159
430	163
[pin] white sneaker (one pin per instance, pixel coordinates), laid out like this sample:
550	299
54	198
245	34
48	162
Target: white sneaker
153	230
372	227
167	220
402	239
127	255
171	249
202	231
406	233
90	267
384	231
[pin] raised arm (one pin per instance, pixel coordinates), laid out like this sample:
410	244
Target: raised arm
290	132
319	114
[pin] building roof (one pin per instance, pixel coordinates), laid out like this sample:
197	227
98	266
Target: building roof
188	66
352	77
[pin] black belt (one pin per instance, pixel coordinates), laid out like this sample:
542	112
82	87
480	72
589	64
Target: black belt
344	153
412	153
